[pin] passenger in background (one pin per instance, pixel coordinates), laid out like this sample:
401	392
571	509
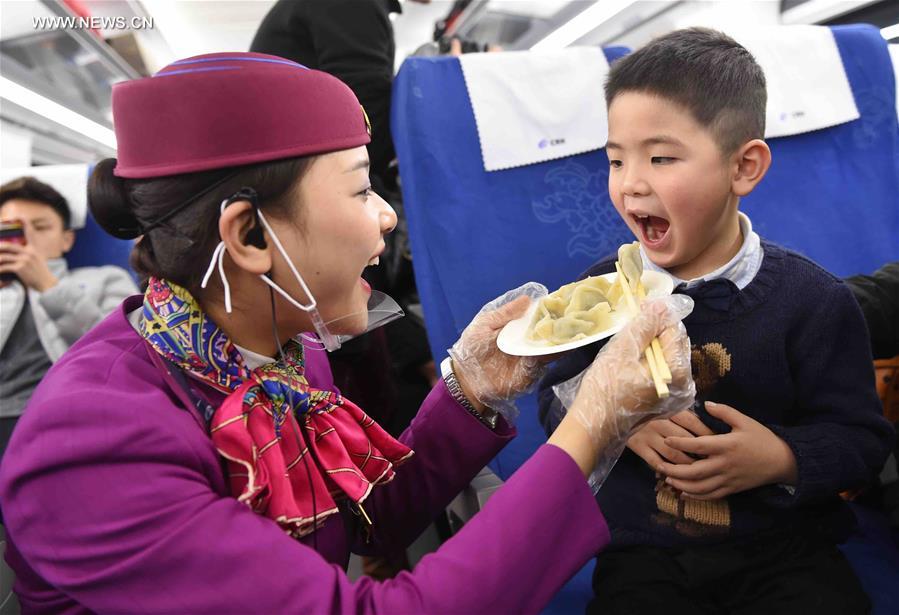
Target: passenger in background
733	508
388	371
44	307
350	39
878	296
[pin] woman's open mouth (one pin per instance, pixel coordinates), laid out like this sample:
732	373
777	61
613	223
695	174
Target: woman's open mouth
373	261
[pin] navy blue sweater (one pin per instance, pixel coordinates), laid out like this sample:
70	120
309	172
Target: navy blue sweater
791	351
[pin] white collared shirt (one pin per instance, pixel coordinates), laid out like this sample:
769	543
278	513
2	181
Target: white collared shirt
253	359
740	270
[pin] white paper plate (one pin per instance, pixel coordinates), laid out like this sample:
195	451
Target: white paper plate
513	338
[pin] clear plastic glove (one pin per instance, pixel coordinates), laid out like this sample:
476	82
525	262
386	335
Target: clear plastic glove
615	395
493	377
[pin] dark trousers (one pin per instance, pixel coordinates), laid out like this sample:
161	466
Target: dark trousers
788	574
6	427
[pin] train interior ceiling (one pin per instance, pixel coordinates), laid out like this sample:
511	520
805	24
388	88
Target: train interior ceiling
56	123
76	68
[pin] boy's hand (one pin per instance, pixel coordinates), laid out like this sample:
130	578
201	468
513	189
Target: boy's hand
649	441
30	267
750	456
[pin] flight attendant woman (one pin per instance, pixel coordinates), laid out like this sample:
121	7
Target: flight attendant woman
189	454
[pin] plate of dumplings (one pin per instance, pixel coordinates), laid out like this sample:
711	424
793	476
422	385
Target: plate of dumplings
585	311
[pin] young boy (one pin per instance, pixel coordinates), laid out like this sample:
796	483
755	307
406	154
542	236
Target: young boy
733	508
47	307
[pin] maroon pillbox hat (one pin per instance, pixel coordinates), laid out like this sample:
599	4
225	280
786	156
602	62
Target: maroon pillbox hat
229	109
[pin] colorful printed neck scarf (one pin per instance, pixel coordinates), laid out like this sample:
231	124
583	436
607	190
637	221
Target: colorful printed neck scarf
291	450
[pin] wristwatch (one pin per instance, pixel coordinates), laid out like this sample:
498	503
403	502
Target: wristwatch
488	417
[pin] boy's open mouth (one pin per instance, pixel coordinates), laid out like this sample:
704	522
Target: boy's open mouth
653	229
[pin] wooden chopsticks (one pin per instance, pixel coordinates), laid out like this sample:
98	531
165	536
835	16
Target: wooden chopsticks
661	374
656	344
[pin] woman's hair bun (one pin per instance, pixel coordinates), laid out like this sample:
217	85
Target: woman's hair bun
108	202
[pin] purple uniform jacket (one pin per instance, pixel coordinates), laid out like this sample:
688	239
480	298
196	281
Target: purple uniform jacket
114	501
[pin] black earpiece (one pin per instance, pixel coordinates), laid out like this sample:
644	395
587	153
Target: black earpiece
256	237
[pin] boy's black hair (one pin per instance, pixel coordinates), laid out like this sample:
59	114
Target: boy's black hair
706	72
30	189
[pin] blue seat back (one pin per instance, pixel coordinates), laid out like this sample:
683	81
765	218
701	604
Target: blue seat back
475	234
833	194
94	247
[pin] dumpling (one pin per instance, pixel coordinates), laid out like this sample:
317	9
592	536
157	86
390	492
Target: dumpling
543	329
573	312
615	296
584	308
570	329
597	282
583	298
598	315
554	306
631	263
578	325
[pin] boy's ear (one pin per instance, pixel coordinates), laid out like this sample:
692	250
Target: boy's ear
751	162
